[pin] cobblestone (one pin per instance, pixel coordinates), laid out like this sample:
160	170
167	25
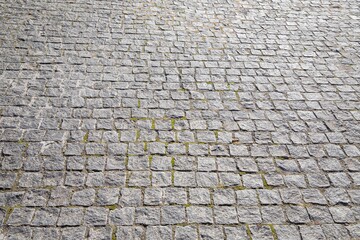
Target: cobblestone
170	119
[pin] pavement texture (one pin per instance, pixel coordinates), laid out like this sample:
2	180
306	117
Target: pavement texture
180	119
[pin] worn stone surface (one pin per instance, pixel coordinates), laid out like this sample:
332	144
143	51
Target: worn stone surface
173	119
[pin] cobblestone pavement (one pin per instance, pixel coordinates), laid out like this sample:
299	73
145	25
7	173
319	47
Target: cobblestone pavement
180	119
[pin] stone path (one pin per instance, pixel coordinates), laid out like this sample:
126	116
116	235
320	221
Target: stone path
180	119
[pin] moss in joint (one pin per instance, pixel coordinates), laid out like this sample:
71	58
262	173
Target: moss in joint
113	235
145	146
119	135
86	137
266	185
273	232
239	188
9	210
126	161
248	231
150	160
111	207
137	135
